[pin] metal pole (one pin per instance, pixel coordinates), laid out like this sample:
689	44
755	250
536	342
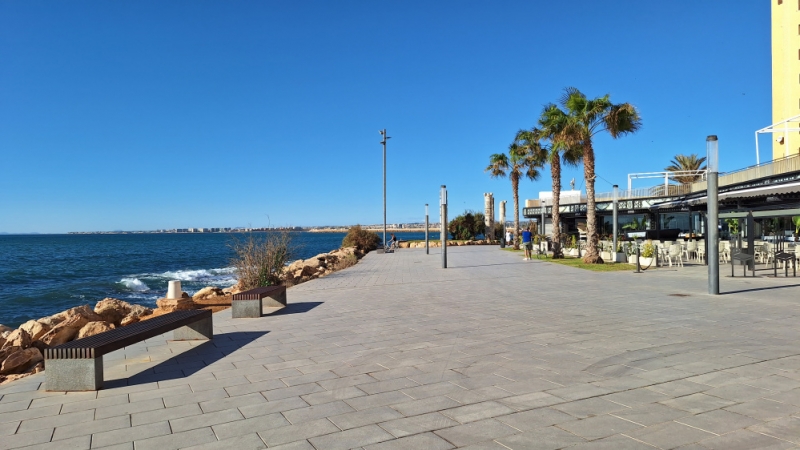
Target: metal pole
385	137
712	227
443	237
427	248
614	222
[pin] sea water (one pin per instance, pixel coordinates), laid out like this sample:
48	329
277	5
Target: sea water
41	275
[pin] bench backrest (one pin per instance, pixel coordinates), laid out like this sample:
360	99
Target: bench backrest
108	341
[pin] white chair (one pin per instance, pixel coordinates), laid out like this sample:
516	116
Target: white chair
691	248
701	251
675	252
724	251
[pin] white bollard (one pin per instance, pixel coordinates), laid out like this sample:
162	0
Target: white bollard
174	291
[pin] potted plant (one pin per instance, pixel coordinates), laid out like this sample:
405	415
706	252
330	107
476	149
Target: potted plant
630	251
647	255
573	246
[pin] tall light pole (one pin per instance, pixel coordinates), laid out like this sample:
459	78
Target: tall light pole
615	221
427	248
385	137
712	229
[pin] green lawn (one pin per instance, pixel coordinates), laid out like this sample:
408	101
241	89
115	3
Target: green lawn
577	262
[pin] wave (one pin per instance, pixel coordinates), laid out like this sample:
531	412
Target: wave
223	276
135	284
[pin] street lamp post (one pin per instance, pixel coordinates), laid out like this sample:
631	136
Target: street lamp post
427	248
385	137
614	219
712	228
544	233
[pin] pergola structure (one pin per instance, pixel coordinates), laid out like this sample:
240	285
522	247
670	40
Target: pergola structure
784	126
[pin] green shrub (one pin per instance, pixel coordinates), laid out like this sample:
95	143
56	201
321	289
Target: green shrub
467	226
261	259
363	240
648	250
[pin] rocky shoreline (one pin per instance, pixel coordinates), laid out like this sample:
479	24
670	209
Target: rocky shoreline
21	349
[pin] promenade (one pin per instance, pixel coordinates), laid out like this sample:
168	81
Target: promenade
492	353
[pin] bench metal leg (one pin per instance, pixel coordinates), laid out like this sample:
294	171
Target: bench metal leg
202	329
74	374
244	309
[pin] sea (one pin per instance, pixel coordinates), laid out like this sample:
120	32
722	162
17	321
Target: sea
41	275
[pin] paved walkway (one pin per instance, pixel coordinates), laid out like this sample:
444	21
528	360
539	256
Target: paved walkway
492	353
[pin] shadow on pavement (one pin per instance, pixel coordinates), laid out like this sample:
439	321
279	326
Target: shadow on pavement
295	308
190	361
760	289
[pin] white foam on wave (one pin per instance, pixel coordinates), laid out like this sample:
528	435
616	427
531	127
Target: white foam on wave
135	284
223	276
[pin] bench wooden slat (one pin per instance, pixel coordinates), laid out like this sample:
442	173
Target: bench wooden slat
108	341
257	293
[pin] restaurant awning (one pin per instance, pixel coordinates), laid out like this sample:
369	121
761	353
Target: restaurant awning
789	188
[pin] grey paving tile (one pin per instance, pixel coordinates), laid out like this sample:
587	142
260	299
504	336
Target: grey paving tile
739	392
365	417
35	413
536	418
650	414
679	388
76	443
94	404
291	433
763	409
549	438
128	408
205	420
376	400
426	405
160	415
590	407
745	440
719	421
123	435
247	441
579	391
294	391
26	439
698	403
617	443
136	397
197	397
599	427
298	445
477	411
262	409
232	429
433	390
786	428
355	437
669	435
88	428
232	402
314	412
417	424
424	440
530	401
476	432
330	396
177	440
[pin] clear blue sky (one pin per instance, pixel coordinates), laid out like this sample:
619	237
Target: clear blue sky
142	115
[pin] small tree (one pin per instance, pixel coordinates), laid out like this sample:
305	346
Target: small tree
261	260
467	226
363	240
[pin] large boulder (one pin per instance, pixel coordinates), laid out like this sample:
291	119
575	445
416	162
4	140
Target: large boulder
112	310
18	338
171	304
92	328
208	292
4	328
136	314
68	329
21	360
36	329
84	311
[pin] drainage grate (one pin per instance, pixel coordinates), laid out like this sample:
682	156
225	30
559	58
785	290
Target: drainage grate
679	295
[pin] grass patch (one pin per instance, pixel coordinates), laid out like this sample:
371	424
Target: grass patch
607	267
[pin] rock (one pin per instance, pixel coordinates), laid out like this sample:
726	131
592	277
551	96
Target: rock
170	305
92	328
18	338
67	329
403	244
84	311
112	310
207	292
36	329
21	360
4	328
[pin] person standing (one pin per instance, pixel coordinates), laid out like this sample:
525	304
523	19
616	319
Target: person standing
508	237
527	242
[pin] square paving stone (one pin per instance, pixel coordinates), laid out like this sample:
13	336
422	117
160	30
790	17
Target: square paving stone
616	443
365	417
247	441
786	428
428	441
599	427
739	392
477	411
291	433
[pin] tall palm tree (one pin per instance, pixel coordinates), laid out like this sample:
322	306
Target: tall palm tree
516	164
551	123
683	163
585	119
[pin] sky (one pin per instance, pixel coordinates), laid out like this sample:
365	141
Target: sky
142	115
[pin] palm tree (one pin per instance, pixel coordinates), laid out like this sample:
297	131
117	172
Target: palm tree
516	164
585	119
683	163
551	123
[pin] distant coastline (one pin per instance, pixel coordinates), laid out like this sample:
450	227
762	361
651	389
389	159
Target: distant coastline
394	228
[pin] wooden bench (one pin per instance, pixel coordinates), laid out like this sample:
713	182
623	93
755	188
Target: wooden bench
78	365
249	304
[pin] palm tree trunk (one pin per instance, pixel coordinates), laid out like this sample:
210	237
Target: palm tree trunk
515	188
555	172
592	256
